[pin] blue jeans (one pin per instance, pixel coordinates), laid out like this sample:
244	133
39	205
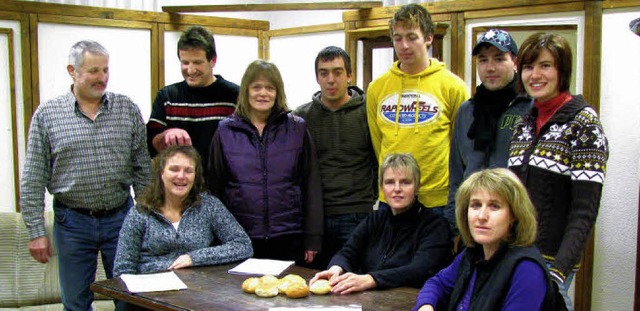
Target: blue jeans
337	230
78	239
564	288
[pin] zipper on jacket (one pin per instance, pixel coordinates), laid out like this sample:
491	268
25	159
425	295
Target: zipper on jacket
263	158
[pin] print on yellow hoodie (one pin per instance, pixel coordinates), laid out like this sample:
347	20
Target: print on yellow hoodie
396	127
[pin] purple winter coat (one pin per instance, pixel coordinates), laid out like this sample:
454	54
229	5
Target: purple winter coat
270	183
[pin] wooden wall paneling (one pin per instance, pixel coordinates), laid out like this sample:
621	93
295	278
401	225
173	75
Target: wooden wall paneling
33	56
592	53
92	21
25	49
161	57
157	62
457	44
527	10
614	4
274	7
305	30
452	7
129	15
263	45
591	92
351	47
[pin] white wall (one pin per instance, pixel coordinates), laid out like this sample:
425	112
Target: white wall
234	54
295	57
615	240
7	184
129	60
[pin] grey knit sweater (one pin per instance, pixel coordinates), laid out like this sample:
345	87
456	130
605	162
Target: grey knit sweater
208	233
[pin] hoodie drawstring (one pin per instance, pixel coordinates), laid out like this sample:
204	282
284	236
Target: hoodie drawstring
417	112
398	106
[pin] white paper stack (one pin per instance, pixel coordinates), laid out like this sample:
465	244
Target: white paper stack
255	266
155	282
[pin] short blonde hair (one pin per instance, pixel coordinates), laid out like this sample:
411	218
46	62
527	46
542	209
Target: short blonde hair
403	161
256	70
506	185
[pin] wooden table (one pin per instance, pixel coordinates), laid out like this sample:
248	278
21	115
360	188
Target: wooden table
212	288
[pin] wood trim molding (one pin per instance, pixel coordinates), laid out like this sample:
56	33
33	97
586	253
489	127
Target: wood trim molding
129	15
35	77
526	10
615	4
440	7
591	92
305	30
263	45
91	21
273	7
156	56
458	44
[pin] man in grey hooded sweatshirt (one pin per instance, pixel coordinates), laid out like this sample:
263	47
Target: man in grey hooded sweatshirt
337	120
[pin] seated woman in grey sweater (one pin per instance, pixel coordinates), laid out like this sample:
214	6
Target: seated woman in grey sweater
175	225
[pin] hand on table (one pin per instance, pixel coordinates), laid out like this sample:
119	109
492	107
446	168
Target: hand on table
351	283
183	261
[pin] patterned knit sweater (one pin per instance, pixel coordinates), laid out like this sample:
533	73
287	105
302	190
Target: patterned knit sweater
563	169
208	233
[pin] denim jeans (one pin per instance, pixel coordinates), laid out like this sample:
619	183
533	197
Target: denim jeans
337	230
78	239
564	288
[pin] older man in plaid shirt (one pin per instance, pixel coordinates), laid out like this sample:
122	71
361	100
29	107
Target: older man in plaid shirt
87	148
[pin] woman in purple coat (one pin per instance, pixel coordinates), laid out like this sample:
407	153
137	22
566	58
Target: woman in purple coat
500	269
264	168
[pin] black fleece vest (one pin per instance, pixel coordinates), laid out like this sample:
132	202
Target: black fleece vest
494	277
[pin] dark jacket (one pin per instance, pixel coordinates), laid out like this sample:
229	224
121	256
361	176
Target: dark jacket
464	160
494	275
401	250
270	183
563	170
348	165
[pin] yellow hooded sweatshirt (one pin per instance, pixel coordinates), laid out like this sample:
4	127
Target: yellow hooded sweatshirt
395	127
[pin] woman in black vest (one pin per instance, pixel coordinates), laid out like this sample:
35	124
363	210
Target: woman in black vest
500	269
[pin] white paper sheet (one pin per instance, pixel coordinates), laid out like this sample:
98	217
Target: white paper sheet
261	267
155	282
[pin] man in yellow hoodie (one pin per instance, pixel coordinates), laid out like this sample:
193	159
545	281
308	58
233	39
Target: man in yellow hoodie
416	82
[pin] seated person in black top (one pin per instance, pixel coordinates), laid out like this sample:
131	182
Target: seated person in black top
401	244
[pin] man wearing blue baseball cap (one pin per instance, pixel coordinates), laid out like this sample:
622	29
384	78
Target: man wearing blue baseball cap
484	124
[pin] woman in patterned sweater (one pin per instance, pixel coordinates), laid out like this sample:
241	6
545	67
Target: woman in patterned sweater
560	153
175	225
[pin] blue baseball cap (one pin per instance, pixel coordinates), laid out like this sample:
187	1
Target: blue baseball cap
498	38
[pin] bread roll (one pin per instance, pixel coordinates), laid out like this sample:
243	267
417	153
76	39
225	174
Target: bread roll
320	287
288	280
249	285
297	290
267	286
